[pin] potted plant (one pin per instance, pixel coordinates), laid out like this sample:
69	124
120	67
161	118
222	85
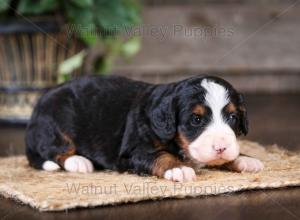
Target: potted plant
46	42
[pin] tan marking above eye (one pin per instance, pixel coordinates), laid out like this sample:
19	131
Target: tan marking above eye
231	108
199	110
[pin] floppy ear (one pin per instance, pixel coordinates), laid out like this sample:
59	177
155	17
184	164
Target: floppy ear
243	126
163	119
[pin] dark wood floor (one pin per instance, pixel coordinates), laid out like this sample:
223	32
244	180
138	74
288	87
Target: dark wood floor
273	119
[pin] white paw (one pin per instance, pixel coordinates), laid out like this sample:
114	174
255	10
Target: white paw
78	164
50	166
247	164
180	174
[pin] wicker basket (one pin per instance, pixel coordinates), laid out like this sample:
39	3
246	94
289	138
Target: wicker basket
30	53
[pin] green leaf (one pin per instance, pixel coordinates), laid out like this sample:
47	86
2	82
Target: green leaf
35	7
69	65
83	3
105	65
115	15
4	5
101	18
131	47
88	39
83	19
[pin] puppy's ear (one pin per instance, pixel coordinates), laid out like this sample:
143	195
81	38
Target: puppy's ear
163	118
243	126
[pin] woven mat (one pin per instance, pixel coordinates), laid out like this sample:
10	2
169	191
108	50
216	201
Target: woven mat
56	191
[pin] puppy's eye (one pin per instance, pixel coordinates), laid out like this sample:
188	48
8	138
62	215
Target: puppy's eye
196	120
233	117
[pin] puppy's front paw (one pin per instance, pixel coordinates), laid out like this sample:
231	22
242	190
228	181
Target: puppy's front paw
180	174
246	164
50	166
78	164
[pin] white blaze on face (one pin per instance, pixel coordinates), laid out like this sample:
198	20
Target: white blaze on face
217	143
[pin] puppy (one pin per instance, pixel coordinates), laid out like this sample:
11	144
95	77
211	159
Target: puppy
125	125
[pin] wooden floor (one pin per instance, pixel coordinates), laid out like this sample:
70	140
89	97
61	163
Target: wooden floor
273	119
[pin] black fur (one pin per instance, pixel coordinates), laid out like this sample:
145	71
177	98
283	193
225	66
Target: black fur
114	121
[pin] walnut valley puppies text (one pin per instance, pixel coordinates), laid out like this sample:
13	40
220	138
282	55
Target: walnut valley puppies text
146	189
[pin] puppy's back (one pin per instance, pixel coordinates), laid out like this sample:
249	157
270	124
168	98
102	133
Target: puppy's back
87	110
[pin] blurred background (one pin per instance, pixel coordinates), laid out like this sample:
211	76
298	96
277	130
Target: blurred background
255	45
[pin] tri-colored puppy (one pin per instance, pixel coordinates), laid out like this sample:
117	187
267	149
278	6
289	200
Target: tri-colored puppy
120	124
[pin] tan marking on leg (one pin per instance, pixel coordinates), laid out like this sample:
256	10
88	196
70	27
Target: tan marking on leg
163	163
158	145
60	158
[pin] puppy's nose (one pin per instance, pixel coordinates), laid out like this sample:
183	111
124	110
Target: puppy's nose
219	146
219	149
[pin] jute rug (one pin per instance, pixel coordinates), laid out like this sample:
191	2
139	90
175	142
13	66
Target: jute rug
61	190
